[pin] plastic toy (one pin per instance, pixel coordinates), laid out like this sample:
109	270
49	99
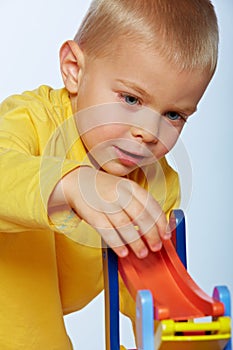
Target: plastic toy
168	301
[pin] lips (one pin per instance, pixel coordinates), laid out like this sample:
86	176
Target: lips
127	158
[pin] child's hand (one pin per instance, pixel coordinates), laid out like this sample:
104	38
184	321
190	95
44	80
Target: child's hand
118	208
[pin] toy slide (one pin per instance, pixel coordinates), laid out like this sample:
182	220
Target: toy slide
167	299
175	294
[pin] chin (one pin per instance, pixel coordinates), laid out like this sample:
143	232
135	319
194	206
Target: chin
118	169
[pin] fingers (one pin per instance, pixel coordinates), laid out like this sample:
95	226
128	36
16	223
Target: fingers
140	226
158	217
114	240
128	230
129	233
118	230
151	221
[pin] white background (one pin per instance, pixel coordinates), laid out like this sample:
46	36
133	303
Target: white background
31	34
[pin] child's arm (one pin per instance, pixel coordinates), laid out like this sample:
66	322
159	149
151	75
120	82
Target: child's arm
29	166
118	208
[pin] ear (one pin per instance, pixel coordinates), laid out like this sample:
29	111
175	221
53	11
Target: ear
71	65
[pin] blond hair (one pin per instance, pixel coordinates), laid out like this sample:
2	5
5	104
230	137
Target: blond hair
185	32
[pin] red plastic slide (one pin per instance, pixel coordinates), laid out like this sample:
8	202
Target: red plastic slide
175	294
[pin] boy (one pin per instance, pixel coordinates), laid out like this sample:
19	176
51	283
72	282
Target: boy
88	160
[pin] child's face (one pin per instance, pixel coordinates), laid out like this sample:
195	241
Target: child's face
146	104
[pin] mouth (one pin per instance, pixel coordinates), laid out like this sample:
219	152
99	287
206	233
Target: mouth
127	158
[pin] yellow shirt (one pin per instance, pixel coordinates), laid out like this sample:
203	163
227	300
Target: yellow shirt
48	269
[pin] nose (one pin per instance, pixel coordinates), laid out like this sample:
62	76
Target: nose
144	135
146	125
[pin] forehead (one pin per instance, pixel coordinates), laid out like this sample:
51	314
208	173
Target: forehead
142	69
137	57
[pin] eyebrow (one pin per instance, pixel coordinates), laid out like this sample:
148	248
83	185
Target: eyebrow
188	111
135	87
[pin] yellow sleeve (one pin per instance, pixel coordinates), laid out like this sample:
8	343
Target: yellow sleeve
28	175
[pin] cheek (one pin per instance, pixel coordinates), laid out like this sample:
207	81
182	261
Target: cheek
168	135
91	138
160	151
103	134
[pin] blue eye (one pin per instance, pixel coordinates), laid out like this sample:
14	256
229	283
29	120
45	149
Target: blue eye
131	100
173	116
